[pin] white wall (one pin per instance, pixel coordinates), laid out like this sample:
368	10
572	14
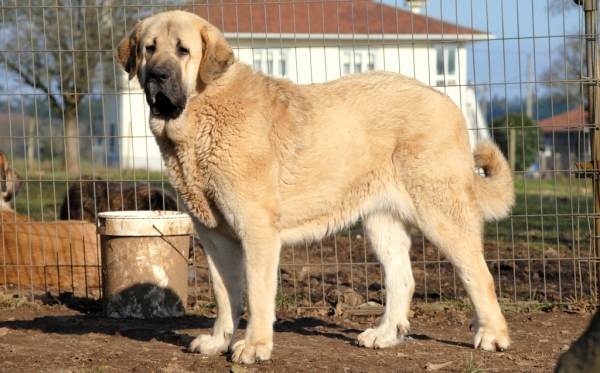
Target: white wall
137	146
321	64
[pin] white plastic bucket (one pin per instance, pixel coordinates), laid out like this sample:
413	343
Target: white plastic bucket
144	263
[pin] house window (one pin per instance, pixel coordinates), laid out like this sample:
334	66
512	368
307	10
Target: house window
446	62
346	64
371	64
282	65
356	61
440	61
451	61
258	60
271	61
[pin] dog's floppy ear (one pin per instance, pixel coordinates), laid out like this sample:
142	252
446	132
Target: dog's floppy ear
217	55
10	181
13	186
126	53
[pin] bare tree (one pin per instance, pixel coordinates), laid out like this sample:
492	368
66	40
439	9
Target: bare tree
59	47
563	6
563	78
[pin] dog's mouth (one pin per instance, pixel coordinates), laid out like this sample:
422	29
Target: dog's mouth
163	106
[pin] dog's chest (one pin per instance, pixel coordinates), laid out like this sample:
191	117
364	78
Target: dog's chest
196	154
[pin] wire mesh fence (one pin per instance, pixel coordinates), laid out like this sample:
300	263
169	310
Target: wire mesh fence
74	127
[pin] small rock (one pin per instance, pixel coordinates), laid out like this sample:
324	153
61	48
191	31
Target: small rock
235	368
432	308
322	311
433	367
338	309
550	253
417	271
375	286
457	317
353	299
304	271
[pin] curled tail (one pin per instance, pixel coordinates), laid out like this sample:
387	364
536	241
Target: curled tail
495	192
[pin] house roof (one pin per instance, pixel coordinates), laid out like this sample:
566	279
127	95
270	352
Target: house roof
568	121
339	18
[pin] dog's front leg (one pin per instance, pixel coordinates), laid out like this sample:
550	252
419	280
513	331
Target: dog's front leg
225	262
261	245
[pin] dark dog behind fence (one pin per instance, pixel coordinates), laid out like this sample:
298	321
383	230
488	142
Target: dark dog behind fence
92	195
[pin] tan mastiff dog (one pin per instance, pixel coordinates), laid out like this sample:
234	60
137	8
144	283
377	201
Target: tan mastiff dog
65	254
262	162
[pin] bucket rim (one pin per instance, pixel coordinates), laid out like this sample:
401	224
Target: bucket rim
147	214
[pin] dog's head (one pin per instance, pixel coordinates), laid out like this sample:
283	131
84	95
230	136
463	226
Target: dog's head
10	181
173	54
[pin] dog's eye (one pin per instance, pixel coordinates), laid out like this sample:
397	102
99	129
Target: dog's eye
183	51
150	49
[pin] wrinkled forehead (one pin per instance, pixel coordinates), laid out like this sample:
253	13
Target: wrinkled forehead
182	28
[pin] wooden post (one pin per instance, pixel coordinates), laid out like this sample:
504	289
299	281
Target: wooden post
590	8
31	145
512	148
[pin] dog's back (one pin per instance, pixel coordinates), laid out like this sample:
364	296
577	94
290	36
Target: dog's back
63	254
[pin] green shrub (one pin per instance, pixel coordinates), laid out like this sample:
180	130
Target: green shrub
527	138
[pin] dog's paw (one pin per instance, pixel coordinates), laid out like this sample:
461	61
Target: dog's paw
249	353
382	337
490	339
209	345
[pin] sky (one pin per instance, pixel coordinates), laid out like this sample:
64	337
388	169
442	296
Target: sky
522	28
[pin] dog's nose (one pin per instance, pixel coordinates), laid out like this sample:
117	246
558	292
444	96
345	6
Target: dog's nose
159	75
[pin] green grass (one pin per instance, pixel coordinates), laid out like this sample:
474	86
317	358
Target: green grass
283	300
10	302
471	368
547	213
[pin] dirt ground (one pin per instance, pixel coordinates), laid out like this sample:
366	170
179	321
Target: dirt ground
330	292
76	337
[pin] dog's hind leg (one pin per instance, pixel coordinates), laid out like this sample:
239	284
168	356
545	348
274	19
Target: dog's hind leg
225	262
390	242
455	227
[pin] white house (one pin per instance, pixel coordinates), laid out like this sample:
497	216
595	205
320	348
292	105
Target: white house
316	41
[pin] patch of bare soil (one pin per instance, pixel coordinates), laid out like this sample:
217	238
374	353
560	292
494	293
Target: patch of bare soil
343	269
335	291
36	337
